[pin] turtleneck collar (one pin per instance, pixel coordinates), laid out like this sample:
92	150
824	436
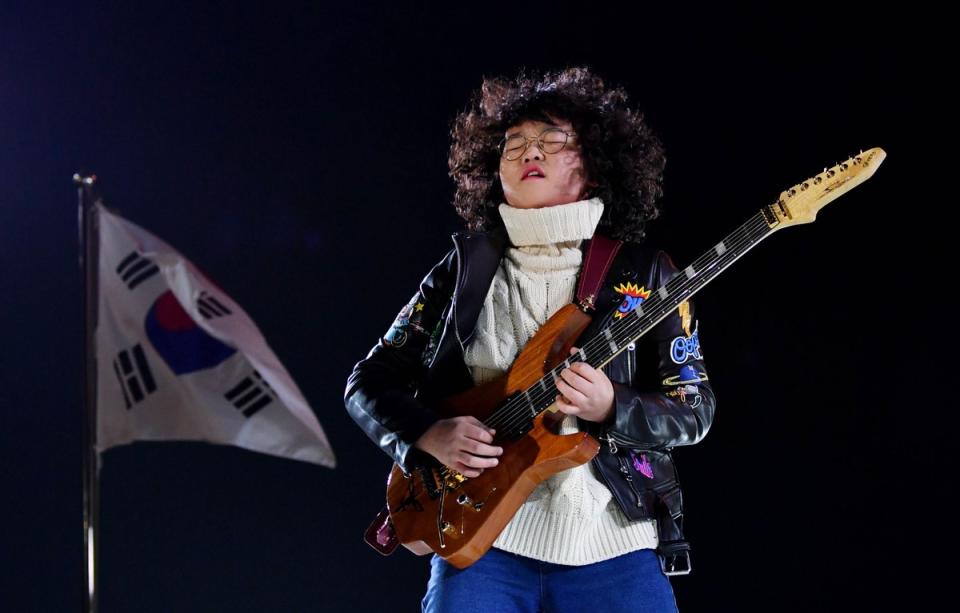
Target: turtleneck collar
552	224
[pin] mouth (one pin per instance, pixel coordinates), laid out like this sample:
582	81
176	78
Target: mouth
532	172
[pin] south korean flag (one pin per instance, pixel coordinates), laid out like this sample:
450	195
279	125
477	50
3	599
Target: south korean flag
178	359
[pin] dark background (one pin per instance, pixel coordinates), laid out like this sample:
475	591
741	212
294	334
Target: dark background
296	152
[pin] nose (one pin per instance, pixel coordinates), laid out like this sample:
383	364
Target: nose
529	153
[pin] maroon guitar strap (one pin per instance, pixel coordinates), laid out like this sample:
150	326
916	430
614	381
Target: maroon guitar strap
380	534
598	255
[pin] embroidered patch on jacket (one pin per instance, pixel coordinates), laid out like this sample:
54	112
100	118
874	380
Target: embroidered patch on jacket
684	348
433	344
683	391
688	374
633	295
395	337
407	320
642	465
684	309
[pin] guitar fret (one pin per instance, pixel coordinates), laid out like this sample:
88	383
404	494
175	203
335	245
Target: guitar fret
533	409
609	336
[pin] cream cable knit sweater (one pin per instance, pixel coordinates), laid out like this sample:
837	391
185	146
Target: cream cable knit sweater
570	518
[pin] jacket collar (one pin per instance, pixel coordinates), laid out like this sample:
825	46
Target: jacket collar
478	256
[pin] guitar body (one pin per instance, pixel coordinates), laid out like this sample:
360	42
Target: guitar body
459	518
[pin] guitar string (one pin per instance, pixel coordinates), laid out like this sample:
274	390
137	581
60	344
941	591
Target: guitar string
515	412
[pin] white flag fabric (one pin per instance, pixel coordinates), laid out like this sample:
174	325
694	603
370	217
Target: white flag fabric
178	359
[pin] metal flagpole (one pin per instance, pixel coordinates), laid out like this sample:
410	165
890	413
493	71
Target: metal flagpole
89	266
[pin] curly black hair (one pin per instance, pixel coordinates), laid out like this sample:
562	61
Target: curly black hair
620	152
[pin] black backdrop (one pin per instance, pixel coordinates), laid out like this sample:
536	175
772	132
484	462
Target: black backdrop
297	153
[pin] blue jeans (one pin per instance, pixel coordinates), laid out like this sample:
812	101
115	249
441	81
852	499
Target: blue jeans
506	582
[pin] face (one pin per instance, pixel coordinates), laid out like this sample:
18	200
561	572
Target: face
563	179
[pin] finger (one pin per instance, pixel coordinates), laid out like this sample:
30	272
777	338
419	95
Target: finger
586	371
475	461
565	407
572	394
476	422
482	449
575	379
466	471
479	433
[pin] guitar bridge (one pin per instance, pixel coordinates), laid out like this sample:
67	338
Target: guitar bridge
435	475
454	479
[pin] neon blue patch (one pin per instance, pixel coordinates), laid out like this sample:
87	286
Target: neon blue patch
684	348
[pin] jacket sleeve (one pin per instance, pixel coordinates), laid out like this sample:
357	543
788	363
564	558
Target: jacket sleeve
379	394
681	411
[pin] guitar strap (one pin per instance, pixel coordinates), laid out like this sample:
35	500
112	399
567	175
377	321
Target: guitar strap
673	550
380	533
598	255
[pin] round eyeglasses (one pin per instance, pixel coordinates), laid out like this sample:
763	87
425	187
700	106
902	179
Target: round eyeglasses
551	140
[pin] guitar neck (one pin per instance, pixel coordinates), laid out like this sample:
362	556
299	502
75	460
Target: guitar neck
615	338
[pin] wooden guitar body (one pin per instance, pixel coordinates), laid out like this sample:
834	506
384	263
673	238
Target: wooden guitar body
475	510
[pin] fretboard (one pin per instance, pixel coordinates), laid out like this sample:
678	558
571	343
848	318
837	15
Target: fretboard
617	336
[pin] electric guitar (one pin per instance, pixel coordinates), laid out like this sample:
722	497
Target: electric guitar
438	509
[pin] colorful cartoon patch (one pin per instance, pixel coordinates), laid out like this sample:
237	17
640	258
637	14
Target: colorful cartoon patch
688	374
407	321
683	391
642	465
684	348
395	337
633	295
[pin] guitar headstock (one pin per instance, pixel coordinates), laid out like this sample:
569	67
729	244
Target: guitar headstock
800	203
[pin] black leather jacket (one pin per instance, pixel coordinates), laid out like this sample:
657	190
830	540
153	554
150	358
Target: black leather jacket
662	394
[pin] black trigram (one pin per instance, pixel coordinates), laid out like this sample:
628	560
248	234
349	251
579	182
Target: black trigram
135	269
134	375
251	394
210	307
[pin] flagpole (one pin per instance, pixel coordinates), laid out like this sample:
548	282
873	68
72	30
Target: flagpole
89	263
